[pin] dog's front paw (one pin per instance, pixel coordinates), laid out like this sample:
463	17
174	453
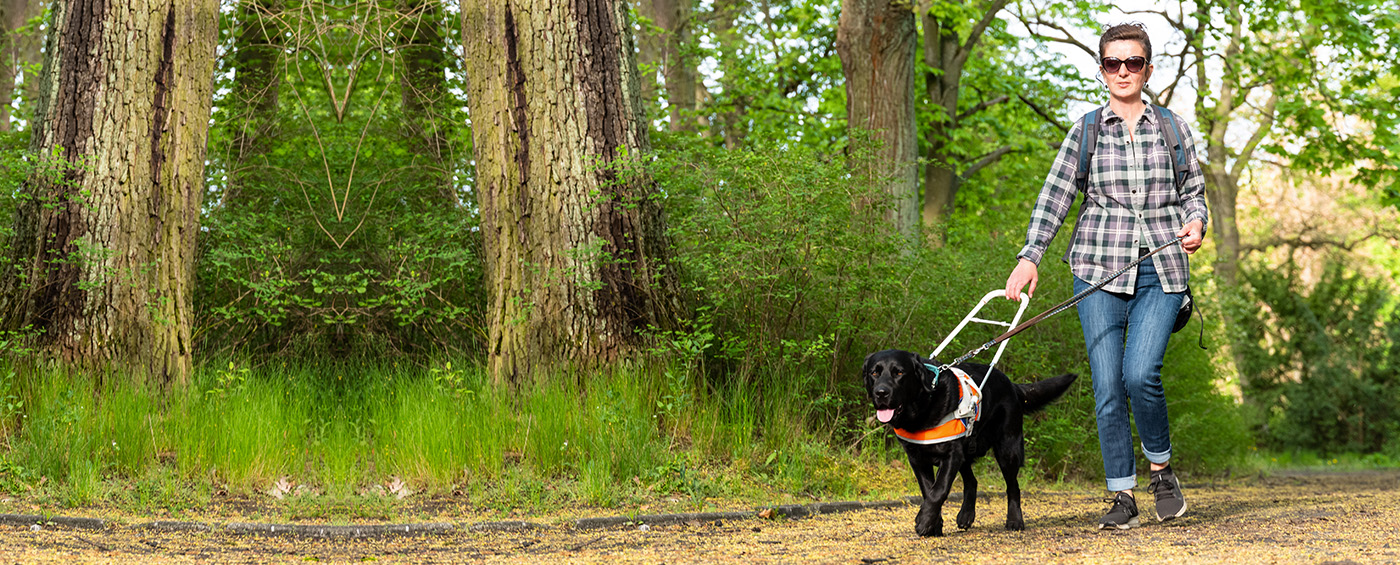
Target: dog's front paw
928	524
966	517
1015	524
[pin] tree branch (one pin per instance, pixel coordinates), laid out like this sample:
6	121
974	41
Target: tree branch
983	106
965	50
1043	114
1265	125
1067	39
1303	241
987	160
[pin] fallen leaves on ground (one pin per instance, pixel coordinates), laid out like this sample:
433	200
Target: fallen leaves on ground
1292	518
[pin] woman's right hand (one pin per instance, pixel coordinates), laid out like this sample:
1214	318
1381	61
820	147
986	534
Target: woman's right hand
1025	273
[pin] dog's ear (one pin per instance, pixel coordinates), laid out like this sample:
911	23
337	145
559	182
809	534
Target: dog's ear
865	370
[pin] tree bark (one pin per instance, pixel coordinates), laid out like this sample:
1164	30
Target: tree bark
945	54
876	41
104	253
576	255
17	50
667	49
424	84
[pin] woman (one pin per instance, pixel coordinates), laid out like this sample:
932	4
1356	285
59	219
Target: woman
1133	203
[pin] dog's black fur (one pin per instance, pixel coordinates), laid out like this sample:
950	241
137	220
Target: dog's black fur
899	380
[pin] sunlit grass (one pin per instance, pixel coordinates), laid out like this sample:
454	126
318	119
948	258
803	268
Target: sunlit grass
336	436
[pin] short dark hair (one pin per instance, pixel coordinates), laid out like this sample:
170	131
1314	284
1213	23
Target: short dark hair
1126	32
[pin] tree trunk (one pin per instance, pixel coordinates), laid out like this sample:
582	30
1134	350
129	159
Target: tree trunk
940	179
424	84
649	44
876	41
574	235
945	54
667	49
257	54
732	110
1222	190
16	50
103	254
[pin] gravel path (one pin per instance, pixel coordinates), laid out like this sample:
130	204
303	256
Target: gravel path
1291	518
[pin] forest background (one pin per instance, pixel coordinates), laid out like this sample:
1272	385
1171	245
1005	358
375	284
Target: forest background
609	253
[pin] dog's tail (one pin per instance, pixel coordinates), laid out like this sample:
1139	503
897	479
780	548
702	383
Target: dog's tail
1037	395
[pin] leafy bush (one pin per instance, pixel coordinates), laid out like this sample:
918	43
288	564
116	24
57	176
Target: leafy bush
1322	362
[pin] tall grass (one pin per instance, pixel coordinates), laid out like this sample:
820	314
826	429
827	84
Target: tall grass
639	432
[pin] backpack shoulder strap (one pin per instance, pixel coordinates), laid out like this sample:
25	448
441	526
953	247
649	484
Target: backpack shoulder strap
1088	143
1168	121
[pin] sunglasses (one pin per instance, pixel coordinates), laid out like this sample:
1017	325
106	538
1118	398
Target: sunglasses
1135	64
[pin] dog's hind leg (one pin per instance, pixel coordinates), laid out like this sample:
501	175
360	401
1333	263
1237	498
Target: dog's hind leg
969	505
1011	456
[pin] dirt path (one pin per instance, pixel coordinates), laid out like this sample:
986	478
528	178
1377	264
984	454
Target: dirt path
1295	518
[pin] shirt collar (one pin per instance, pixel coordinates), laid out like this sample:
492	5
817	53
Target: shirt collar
1107	116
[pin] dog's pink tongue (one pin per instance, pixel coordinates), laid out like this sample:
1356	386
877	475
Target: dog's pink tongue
884	415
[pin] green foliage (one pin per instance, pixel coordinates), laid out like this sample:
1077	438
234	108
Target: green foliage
339	220
1321	359
795	285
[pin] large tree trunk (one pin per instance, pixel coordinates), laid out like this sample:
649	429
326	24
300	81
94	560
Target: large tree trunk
103	254
945	54
876	41
940	179
1224	166
667	49
575	239
16	50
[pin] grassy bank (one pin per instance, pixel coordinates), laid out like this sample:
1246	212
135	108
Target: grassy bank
341	436
353	439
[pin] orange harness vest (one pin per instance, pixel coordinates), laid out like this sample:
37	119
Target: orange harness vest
956	425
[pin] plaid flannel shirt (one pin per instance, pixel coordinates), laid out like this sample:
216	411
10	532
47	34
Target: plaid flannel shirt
1131	192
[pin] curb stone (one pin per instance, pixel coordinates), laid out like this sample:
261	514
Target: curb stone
169	526
339	532
658	519
64	521
507	526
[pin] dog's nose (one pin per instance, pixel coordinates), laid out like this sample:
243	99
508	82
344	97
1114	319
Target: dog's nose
882	392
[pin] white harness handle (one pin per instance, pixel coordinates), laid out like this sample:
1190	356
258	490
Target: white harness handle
971	317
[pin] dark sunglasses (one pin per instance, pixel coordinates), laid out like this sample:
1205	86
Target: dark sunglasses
1135	64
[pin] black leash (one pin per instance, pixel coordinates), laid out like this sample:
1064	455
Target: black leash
1061	307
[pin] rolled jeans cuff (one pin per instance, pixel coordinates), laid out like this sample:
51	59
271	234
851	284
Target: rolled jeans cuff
1121	483
1158	458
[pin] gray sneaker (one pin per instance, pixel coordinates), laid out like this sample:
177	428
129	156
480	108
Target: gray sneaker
1123	514
1170	502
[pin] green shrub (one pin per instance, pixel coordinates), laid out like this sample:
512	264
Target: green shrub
1321	362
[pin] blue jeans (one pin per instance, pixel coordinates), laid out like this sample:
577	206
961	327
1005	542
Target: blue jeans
1126	335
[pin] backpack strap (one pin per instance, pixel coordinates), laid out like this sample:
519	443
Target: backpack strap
1088	143
1179	171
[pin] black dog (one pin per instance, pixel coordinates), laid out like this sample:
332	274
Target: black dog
910	397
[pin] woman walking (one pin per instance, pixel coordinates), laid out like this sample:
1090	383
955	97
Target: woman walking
1134	201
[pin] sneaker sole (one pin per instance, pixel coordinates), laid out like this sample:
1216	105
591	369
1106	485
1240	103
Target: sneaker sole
1132	523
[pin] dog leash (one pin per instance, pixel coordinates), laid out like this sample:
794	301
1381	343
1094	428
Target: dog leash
1061	307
